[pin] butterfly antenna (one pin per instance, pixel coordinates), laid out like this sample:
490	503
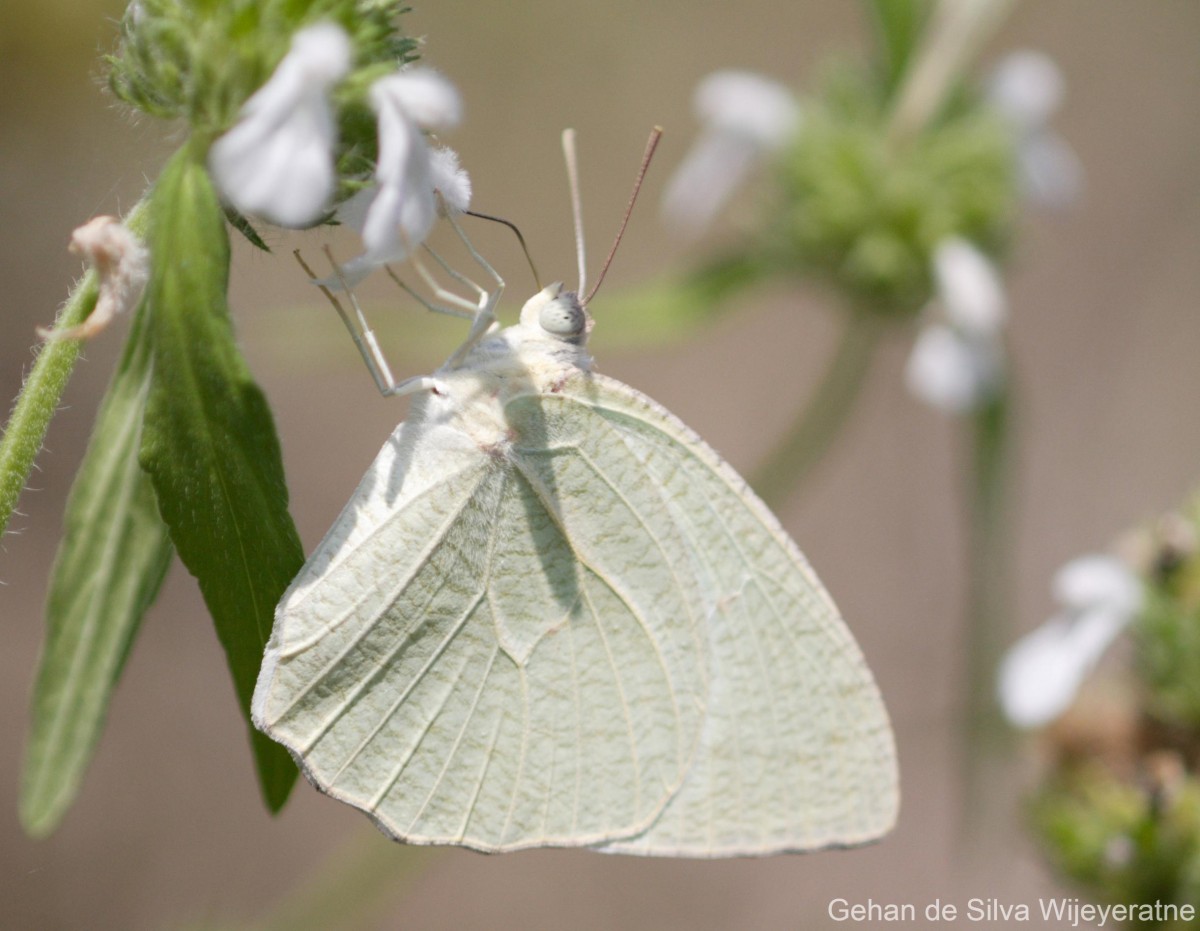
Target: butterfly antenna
568	145
651	145
521	239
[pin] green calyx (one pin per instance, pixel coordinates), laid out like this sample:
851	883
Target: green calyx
1124	841
1167	631
200	60
867	215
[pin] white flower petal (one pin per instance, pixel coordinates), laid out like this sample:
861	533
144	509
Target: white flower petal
1027	88
398	135
950	372
745	104
397	212
1098	582
401	214
450	180
1041	674
422	95
322	52
411	213
969	287
703	183
1049	171
277	160
352	212
745	116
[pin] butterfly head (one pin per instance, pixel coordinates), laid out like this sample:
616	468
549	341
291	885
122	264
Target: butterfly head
558	314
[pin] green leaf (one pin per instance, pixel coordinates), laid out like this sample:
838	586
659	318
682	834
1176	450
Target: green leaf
243	226
210	445
899	25
110	565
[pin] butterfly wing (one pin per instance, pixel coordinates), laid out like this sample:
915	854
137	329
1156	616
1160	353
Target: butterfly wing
796	751
600	638
450	663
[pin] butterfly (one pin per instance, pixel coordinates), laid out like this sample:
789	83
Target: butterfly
552	615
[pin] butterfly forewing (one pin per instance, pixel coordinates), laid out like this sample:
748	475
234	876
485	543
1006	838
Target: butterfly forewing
484	662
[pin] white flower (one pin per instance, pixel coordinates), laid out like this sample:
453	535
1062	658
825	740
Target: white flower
745	116
1028	89
957	360
1098	581
952	371
397	211
1042	672
969	287
277	160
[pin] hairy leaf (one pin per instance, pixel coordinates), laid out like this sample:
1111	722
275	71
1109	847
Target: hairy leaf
111	562
210	444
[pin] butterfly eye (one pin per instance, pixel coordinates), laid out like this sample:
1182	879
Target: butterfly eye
563	316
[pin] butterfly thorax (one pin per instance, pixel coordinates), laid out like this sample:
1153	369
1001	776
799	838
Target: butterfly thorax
538	355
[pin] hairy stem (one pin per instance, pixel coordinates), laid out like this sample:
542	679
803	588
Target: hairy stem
43	389
955	33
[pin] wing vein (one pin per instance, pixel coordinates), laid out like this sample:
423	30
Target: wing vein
436	539
589	562
467	718
625	709
408	689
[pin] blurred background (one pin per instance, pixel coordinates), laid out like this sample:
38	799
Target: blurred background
169	830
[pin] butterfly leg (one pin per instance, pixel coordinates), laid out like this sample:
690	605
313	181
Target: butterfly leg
482	312
486	313
364	338
425	302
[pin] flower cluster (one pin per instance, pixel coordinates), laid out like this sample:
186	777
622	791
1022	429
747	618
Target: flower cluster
1118	808
894	229
277	161
1156	583
306	113
957	360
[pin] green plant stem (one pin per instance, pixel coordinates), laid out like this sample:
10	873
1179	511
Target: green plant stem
898	27
43	389
987	612
352	888
956	31
821	419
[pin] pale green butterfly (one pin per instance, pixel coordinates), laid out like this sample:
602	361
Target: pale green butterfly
551	615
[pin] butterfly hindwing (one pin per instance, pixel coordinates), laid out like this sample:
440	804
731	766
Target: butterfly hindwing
796	751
